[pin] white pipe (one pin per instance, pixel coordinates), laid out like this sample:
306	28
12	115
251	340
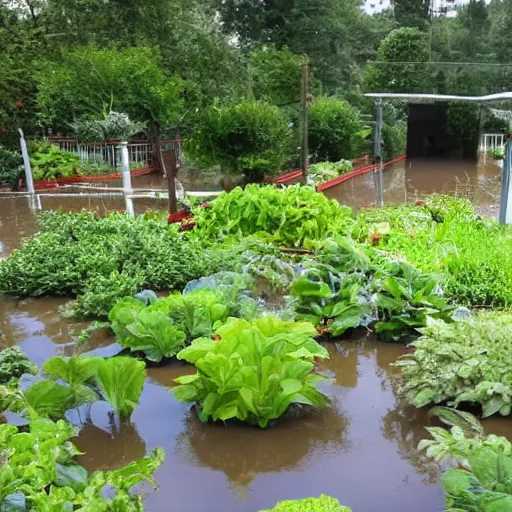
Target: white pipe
26	162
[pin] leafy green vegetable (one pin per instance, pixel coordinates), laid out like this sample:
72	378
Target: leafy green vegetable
13	364
130	254
254	373
465	361
321	504
483	480
39	472
326	171
120	381
294	216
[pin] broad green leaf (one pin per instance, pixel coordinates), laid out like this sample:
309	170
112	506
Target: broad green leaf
75	370
73	476
120	380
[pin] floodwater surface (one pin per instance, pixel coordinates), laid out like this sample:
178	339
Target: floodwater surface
362	450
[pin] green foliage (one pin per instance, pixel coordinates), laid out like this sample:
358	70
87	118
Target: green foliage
463	120
482	480
293	216
335	130
86	379
478	273
276	75
130	254
254	373
463	362
92	81
39	472
321	504
401	66
13	364
498	153
347	286
146	329
115	126
10	166
120	381
251	137
49	162
326	171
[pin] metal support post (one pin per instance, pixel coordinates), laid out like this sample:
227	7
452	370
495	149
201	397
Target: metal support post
33	202
506	187
377	158
304	123
126	178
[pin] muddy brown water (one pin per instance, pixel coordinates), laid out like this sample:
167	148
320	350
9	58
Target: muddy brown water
361	450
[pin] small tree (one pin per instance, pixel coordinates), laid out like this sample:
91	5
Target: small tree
403	63
335	130
251	137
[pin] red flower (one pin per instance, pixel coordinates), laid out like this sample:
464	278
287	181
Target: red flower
3	129
19	103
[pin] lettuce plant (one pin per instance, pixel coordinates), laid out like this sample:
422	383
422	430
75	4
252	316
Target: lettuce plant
254	373
321	504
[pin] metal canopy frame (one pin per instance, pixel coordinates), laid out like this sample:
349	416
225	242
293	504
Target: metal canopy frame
505	215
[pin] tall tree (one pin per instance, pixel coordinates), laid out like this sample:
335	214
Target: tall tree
412	13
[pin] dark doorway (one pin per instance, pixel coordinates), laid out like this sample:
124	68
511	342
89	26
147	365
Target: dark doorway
429	136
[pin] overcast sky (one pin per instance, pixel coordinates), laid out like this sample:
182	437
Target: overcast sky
372	6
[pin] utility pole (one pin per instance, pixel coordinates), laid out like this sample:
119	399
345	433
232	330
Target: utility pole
304	98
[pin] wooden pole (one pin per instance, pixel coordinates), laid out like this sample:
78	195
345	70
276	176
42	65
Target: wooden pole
304	127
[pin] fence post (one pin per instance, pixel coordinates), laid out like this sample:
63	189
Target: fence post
126	178
26	163
304	124
377	158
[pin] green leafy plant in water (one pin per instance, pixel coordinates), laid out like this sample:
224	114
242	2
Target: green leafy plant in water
462	362
321	504
49	162
39	472
120	381
294	216
483	479
13	364
254	373
326	171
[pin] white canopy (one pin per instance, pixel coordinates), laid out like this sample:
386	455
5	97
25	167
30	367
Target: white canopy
419	98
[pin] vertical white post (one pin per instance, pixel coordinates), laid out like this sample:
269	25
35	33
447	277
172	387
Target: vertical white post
377	154
26	162
126	178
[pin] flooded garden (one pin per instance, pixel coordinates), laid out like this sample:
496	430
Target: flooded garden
267	281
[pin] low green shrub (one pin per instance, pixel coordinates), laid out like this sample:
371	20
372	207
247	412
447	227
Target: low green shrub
321	504
294	216
254	373
467	361
49	162
251	137
40	472
103	259
11	164
335	130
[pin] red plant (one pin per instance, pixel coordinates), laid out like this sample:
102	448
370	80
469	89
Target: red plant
421	203
19	103
178	217
3	129
188	226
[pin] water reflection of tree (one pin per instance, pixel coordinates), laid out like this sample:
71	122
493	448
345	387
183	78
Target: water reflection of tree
108	450
243	452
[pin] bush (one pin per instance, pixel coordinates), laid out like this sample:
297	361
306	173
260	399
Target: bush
322	504
335	130
49	162
466	361
13	364
11	165
102	259
251	137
